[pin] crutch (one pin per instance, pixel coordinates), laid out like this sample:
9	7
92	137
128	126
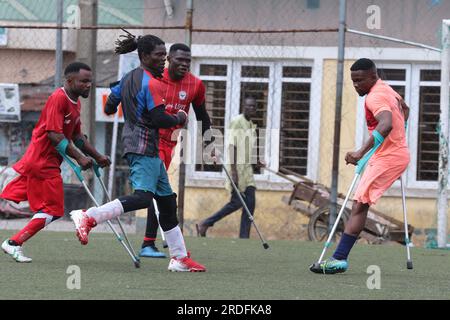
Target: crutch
96	169
409	264
77	171
265	245
160	229
378	139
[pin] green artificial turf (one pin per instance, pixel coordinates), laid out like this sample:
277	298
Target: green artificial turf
237	269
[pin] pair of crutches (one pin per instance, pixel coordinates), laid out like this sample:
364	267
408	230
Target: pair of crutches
359	168
123	239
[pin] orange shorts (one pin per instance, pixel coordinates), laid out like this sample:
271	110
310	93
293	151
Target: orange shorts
46	195
378	176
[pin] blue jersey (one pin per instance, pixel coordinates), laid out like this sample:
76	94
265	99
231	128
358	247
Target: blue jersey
139	92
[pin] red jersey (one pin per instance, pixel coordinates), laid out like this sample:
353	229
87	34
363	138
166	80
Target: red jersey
179	95
61	115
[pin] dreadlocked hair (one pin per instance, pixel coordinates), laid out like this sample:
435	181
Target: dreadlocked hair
144	44
126	45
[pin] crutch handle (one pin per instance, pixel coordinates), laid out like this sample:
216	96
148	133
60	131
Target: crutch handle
75	168
96	169
378	140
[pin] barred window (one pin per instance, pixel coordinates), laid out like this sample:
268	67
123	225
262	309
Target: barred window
294	132
295	115
213	70
428	136
389	74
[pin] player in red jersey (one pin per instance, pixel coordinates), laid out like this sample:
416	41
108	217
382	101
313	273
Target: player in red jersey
38	172
183	88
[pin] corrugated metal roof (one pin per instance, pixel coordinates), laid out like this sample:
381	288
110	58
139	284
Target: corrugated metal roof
114	12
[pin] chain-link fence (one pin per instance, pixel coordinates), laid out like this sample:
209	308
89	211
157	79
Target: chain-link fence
284	54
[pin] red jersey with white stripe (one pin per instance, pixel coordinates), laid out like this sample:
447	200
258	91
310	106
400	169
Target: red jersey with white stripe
179	95
61	115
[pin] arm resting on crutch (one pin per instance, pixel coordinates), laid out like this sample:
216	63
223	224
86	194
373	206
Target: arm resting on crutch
384	127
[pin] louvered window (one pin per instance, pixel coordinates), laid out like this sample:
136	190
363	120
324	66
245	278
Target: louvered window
295	109
428	137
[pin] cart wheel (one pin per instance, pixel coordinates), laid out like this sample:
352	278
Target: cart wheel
318	224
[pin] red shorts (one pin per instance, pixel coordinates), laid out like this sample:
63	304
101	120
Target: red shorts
46	195
165	154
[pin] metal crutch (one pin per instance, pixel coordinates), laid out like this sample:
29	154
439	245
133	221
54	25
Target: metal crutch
77	171
96	169
409	264
265	245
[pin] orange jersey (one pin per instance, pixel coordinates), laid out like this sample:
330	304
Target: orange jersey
383	98
392	157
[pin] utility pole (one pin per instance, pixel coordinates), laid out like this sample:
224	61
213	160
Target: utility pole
337	115
182	173
59	50
87	53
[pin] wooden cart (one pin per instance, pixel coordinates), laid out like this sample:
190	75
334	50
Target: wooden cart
313	200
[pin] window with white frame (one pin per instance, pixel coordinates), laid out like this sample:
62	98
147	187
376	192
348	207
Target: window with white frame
254	82
283	94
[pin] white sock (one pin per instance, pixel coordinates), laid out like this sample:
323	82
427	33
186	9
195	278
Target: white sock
107	211
175	242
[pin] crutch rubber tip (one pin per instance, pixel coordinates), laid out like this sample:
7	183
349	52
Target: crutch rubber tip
165	244
266	246
315	267
409	265
137	264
